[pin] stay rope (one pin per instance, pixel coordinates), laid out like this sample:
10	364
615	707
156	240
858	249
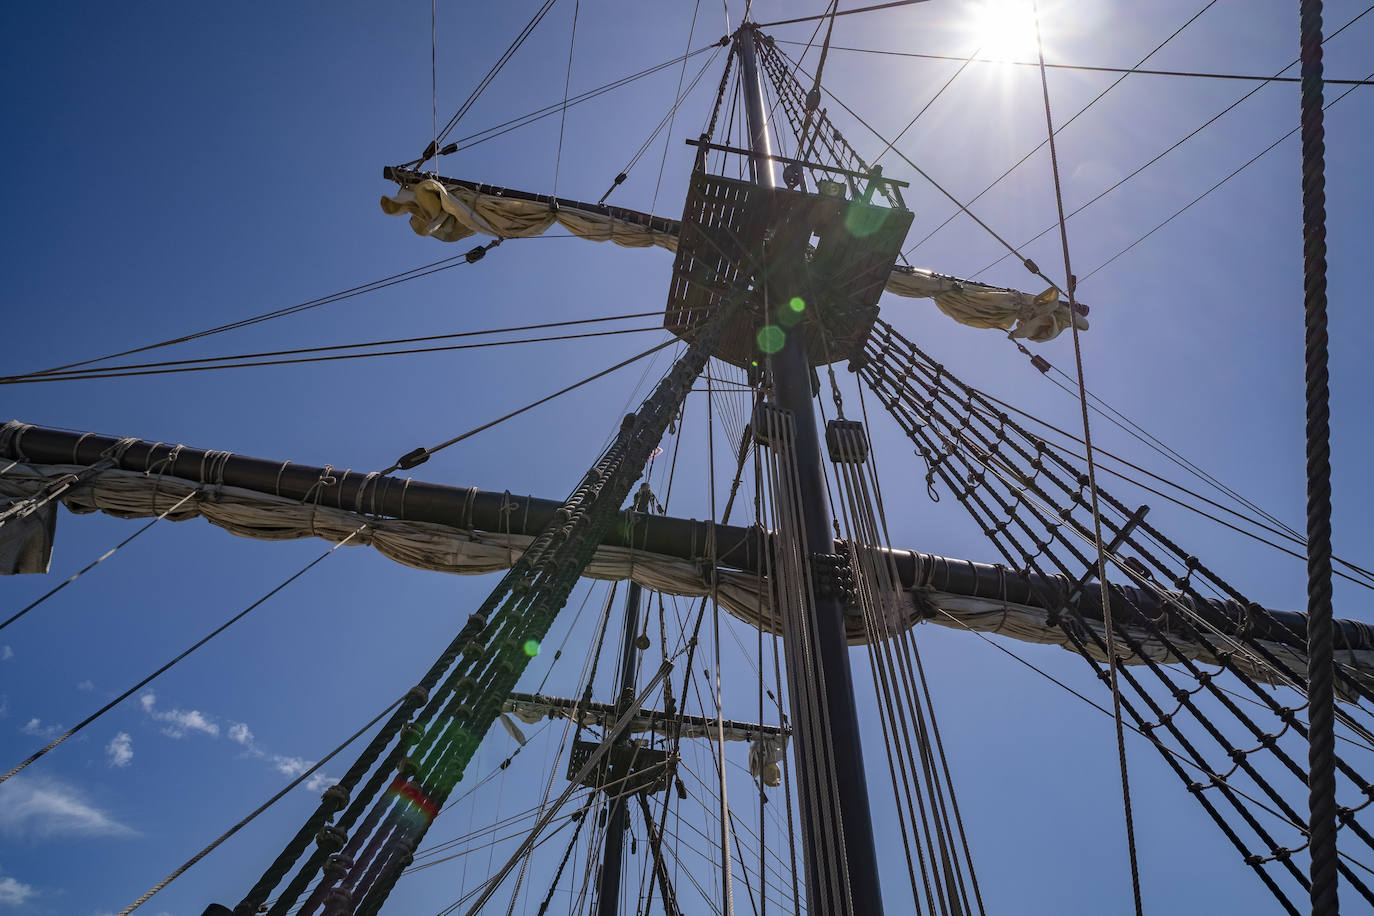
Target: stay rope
1112	659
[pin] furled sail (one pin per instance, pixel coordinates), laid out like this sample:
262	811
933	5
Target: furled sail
451	210
446	548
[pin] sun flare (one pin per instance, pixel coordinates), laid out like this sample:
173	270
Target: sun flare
1003	29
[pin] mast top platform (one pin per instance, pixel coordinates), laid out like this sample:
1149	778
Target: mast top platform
824	257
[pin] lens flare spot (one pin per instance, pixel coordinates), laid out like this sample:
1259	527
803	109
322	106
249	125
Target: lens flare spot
797	304
531	647
771	338
863	220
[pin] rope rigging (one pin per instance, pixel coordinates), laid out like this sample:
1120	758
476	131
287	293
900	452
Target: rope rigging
1026	262
412	274
1091	464
1173	146
1322	761
1232	174
1041	145
1005	478
254	360
1043	512
168	665
438	728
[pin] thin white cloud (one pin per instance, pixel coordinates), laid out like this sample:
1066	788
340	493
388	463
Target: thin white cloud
179	721
6	653
4	705
319	782
13	893
42	807
36	728
120	750
86	686
290	766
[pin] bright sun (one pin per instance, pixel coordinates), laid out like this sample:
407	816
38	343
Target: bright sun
1003	29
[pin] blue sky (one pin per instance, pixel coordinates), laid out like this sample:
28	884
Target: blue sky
170	167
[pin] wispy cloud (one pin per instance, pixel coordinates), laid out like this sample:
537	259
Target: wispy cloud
42	807
179	721
13	893
6	653
285	764
86	686
36	728
319	782
290	766
120	750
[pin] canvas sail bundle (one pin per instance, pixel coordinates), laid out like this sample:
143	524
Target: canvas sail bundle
451	212
430	546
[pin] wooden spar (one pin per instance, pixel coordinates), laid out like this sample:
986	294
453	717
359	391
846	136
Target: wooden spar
737	547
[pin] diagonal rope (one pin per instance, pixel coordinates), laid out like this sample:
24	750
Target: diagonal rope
94	563
193	647
306	774
1112	661
1095	99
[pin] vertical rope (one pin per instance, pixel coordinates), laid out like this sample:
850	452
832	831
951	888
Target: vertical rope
1112	660
1320	667
434	75
567	81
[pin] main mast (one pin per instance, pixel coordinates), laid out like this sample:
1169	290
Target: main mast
841	864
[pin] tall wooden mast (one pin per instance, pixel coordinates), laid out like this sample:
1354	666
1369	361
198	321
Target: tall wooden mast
841	865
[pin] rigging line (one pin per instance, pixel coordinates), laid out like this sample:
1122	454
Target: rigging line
775	869
726	815
371	286
1095	99
813	98
926	107
908	638
193	647
1322	822
434	72
563	111
1179	502
250	360
535	812
672	114
553	833
373	343
489	887
505	127
421	455
1158	743
1026	262
96	562
1164	596
1112	660
84	376
1174	146
1136	70
679	97
862	9
1223	181
1117	418
805	51
491	74
181	869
